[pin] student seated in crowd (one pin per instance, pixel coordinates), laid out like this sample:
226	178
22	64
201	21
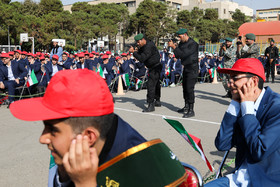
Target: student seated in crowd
108	69
84	63
66	62
43	76
53	66
175	69
123	64
12	75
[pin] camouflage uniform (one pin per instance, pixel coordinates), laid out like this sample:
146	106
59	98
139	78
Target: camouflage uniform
252	51
229	59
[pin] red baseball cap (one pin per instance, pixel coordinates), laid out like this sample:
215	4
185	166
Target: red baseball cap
24	52
246	65
117	58
11	53
97	53
93	52
29	54
105	56
90	55
42	57
58	100
4	55
123	54
108	52
55	57
81	55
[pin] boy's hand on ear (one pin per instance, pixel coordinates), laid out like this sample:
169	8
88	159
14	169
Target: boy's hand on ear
81	162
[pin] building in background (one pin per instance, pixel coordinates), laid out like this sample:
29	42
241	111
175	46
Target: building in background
272	14
132	5
264	31
225	8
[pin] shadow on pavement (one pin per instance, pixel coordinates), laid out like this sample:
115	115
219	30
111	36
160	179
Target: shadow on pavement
140	103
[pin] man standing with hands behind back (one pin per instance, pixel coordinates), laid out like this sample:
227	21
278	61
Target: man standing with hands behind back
271	53
187	51
149	55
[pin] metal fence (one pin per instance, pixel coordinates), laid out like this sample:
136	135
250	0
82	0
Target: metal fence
215	47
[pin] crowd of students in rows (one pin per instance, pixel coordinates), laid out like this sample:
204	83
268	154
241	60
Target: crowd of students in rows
17	66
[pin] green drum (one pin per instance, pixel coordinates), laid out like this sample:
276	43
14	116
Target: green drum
150	164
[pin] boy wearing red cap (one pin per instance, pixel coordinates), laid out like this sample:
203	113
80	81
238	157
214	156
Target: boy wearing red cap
53	66
76	130
252	125
12	75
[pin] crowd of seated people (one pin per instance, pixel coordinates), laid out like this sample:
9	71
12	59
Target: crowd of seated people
17	66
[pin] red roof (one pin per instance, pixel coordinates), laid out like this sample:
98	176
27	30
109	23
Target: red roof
260	28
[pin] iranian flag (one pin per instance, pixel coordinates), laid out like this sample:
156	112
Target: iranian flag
100	72
212	72
192	140
167	71
138	84
125	78
32	79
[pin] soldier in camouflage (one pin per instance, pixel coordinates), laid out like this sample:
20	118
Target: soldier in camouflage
228	51
249	48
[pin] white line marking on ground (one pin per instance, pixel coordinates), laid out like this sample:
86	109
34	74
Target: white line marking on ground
172	117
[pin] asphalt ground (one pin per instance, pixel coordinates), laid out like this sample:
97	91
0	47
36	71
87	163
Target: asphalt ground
24	161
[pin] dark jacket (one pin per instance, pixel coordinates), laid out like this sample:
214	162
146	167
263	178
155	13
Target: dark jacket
271	53
122	137
18	71
148	54
188	53
256	139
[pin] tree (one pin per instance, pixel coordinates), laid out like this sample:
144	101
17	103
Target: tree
239	17
211	14
184	19
81	6
29	7
48	6
148	18
5	1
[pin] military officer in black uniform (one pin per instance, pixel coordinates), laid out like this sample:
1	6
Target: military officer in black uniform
187	51
149	55
271	53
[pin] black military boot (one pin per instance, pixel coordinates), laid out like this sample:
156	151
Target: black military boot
184	109
151	108
190	112
157	103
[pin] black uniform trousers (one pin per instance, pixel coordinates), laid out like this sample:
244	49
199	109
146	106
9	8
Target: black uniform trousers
153	84
270	68
189	80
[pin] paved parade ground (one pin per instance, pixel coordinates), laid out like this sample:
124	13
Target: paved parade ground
24	162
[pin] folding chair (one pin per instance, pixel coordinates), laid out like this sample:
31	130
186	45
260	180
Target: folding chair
219	173
194	177
112	84
145	79
22	88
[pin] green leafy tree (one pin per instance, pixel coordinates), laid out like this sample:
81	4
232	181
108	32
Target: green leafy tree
48	6
149	18
211	14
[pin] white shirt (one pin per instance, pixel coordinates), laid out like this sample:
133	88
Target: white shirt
174	65
55	69
10	73
241	178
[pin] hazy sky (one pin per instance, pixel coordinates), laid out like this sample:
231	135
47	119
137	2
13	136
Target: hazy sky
254	4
